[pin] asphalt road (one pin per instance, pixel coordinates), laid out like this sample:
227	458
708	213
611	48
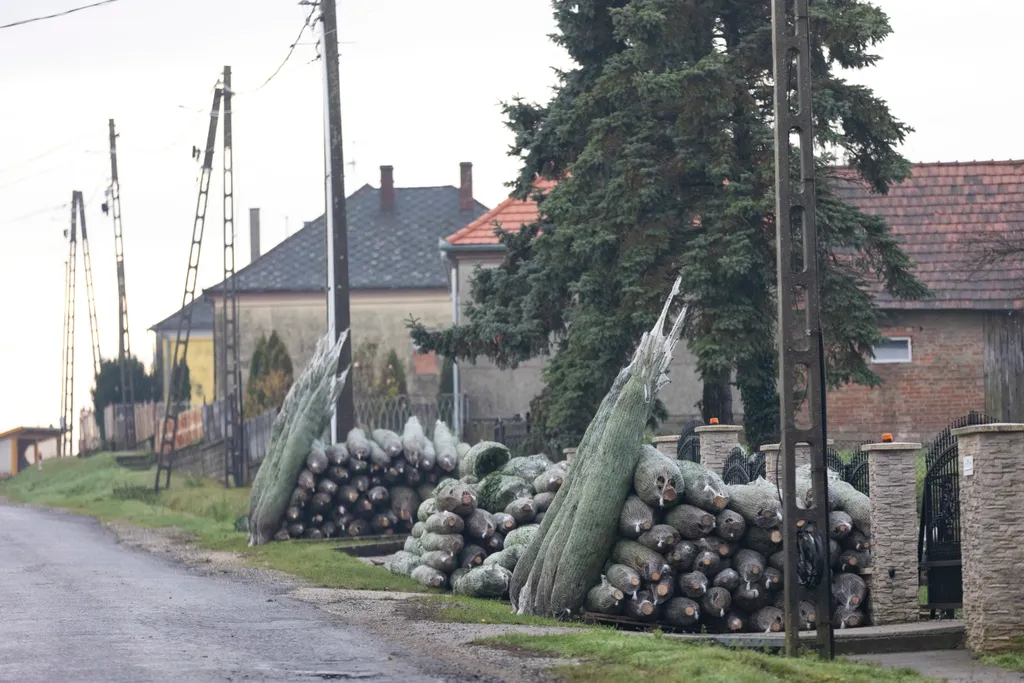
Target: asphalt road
76	606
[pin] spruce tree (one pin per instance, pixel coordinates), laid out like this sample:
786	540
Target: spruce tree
661	140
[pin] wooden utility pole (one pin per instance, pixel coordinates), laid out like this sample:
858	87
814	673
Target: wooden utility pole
336	220
801	352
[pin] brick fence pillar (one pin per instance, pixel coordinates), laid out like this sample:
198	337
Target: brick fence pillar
991	526
893	582
667	445
771	450
716	444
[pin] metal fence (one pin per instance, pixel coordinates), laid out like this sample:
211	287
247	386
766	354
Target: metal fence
88	432
392	412
513	432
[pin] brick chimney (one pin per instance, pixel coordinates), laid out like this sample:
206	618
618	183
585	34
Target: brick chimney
387	189
466	186
254	234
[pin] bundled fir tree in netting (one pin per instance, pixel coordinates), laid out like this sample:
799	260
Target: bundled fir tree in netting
660	139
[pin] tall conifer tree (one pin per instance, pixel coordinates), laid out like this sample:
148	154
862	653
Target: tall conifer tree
660	138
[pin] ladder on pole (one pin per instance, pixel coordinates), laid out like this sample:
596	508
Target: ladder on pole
67	442
90	291
169	430
124	347
234	464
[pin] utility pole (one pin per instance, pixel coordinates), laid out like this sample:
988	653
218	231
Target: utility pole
234	464
800	340
336	219
90	292
67	406
124	346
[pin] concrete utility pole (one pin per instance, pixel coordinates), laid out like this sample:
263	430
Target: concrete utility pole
336	229
124	346
801	352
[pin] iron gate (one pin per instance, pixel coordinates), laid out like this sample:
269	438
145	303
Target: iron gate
938	542
688	447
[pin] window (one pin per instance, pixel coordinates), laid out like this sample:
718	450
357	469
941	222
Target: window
894	350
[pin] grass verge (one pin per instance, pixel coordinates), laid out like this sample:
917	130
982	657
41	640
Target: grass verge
606	656
455	609
97	487
1012	658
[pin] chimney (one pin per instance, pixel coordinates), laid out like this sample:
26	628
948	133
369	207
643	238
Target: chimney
254	234
387	189
465	186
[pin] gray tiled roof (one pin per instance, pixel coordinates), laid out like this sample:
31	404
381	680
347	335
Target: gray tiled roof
202	317
398	250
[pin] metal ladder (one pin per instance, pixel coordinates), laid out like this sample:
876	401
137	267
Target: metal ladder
169	431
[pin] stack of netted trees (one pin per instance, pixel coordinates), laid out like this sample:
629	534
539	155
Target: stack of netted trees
372	484
472	531
692	551
635	533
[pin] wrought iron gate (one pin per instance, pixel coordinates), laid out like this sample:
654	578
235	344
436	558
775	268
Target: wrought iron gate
688	447
938	543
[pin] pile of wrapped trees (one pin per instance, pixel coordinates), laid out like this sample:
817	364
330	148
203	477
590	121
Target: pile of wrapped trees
470	534
372	484
631	532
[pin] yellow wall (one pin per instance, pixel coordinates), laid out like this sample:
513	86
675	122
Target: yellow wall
301	320
200	366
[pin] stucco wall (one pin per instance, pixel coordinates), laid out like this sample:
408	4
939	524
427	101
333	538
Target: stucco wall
8	456
199	360
502	393
301	320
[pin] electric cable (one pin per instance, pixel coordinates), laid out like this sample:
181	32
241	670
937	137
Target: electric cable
57	14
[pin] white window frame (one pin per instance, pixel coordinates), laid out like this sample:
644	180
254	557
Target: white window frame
910	352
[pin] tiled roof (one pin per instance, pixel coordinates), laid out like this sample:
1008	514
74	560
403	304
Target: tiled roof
202	317
942	213
945	213
395	250
510	215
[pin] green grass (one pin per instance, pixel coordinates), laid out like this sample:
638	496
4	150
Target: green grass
613	657
1012	658
462	610
98	487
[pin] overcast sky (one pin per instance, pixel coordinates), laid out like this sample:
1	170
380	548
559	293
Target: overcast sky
421	87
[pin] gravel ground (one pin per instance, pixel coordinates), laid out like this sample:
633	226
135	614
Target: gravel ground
406	623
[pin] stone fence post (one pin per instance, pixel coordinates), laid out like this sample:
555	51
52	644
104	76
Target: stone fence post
667	445
893	582
773	461
716	444
991	525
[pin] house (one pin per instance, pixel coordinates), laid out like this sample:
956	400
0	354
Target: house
394	272
961	350
199	356
23	447
476	246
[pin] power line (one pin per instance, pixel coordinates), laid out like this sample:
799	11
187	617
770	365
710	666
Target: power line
58	14
291	51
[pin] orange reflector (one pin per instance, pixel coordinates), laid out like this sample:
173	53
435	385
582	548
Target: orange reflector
713	420
886	438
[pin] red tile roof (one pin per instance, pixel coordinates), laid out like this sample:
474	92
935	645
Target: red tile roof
510	215
947	214
941	213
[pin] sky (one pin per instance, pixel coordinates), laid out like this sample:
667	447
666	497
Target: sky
422	85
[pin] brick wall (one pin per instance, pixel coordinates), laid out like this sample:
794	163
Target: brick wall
944	381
